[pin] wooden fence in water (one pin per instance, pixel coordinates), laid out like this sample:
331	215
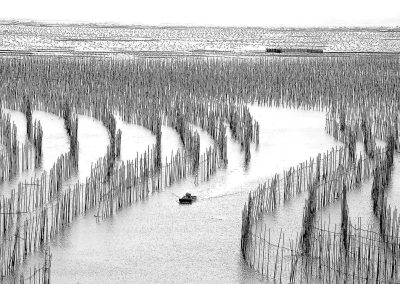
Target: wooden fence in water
128	184
210	92
367	260
16	157
318	254
39	210
369	257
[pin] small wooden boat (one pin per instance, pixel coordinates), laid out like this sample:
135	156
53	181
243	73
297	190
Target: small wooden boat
187	199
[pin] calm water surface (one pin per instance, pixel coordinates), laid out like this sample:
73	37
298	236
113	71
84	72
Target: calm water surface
158	240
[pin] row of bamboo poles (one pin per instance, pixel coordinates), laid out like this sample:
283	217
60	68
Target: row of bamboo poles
99	111
57	174
22	209
189	138
45	202
389	220
366	132
16	157
21	214
34	132
129	183
302	82
212	92
138	90
331	168
305	254
71	127
138	108
38	274
367	258
38	143
320	254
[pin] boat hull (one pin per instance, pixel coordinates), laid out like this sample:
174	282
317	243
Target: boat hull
185	201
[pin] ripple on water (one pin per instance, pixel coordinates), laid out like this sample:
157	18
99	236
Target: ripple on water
160	241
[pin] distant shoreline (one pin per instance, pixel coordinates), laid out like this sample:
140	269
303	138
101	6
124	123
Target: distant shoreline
196	53
34	23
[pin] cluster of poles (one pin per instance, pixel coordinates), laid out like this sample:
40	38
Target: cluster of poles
71	127
39	274
38	210
23	219
38	143
367	259
189	138
213	94
316	255
17	157
49	209
350	254
9	157
139	90
34	132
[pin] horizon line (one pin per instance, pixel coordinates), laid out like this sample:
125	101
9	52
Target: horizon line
66	23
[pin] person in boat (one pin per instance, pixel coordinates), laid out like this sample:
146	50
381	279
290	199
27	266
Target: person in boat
188	195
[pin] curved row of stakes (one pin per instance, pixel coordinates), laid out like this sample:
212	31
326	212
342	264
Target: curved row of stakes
359	93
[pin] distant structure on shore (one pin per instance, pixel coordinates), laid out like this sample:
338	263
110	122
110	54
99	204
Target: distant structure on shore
293	50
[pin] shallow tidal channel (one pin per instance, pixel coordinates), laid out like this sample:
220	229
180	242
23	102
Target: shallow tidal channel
158	240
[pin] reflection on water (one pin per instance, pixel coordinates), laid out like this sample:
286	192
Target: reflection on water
20	121
93	140
158	240
55	143
55	138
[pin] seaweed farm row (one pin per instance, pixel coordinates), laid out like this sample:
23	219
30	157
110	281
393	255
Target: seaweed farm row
349	252
358	93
